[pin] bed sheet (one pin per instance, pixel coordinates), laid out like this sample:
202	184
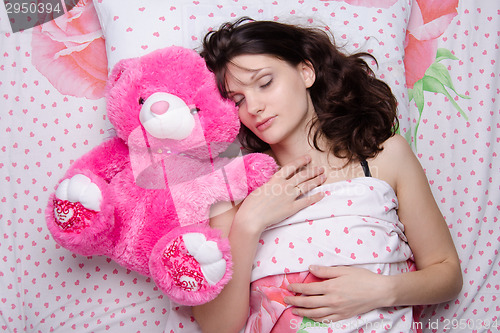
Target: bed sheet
48	119
457	139
44	288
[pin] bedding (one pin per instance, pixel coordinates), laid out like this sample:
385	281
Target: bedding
356	225
440	58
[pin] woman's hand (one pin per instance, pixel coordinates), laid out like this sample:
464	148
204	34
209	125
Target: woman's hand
267	205
282	196
346	292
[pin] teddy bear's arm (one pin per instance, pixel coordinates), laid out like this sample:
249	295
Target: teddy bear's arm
244	174
232	181
104	161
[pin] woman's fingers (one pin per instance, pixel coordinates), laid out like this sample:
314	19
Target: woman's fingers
310	181
290	169
315	314
281	196
306	174
307	289
298	178
313	307
307	302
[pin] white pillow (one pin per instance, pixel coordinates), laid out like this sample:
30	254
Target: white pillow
135	27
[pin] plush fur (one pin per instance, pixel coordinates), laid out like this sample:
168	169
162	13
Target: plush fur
143	197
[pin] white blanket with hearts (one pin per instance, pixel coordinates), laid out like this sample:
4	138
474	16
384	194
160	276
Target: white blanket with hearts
356	224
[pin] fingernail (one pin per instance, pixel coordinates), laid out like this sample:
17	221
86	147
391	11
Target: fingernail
313	267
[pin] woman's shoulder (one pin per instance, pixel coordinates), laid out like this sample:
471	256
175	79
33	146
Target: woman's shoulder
396	146
394	157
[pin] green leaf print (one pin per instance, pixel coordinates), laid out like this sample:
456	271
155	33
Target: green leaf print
309	323
436	79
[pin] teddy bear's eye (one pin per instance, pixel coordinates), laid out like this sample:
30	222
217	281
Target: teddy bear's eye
194	110
141	100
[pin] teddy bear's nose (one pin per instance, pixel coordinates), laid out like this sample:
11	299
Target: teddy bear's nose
160	107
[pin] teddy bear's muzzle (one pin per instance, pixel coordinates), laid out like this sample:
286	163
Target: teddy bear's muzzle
166	116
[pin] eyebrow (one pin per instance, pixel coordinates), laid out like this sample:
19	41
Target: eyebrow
252	78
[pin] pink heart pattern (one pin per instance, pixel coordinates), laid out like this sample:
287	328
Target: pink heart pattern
45	288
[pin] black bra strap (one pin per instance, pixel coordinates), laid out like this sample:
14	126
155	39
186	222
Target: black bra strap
366	169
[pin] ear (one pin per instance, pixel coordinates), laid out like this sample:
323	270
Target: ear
118	70
308	74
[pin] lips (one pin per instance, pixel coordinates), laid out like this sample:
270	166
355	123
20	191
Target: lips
262	125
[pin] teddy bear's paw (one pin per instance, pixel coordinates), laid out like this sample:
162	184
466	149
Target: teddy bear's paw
191	264
259	168
208	256
77	201
194	262
80	188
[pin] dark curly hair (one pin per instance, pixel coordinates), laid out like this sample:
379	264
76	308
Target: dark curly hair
355	111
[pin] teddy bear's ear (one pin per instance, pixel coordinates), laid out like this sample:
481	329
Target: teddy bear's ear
122	66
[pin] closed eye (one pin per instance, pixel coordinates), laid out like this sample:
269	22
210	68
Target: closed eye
239	102
267	84
237	99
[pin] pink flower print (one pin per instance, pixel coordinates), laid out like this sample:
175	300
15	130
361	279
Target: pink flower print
267	308
424	72
429	19
70	52
266	302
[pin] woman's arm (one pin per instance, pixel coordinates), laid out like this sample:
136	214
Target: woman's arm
267	205
438	277
229	311
350	291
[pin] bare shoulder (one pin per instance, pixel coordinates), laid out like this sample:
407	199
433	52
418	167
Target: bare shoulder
393	160
396	146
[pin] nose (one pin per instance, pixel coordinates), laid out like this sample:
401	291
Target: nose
160	107
254	104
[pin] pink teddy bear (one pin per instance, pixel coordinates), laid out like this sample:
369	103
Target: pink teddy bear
143	198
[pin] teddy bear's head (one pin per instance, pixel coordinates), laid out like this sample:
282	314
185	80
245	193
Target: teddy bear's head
167	100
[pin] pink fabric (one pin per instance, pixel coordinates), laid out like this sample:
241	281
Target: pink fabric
45	288
371	3
269	313
70	52
428	21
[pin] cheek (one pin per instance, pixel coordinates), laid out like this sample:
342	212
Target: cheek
244	117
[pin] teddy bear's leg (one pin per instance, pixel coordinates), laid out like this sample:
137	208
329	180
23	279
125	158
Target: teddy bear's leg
191	264
75	216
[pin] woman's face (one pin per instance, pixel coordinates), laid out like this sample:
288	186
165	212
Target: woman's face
272	96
